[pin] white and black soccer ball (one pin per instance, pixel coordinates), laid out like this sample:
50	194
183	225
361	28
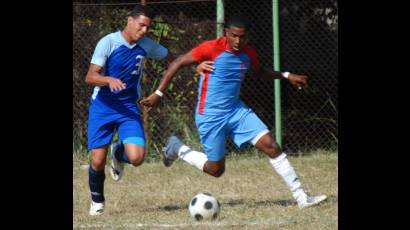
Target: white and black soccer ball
204	206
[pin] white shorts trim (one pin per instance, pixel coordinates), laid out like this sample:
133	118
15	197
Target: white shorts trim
256	139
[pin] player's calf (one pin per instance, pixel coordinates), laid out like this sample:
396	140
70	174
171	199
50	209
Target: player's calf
268	145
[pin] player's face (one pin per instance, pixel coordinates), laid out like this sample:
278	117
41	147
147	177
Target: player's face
237	38
138	26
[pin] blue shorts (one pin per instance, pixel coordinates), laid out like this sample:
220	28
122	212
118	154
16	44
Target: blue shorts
241	125
104	120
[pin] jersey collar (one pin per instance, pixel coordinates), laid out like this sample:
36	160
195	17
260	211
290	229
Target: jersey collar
125	41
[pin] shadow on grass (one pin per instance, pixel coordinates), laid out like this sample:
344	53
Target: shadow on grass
231	203
249	203
171	208
286	203
244	202
167	208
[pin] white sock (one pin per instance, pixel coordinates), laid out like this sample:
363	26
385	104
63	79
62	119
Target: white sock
283	167
192	157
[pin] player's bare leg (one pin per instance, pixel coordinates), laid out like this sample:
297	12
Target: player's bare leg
98	158
215	168
135	153
176	149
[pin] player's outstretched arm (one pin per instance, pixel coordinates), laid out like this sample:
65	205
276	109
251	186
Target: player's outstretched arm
181	61
95	78
296	80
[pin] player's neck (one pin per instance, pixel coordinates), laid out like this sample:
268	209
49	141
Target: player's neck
127	37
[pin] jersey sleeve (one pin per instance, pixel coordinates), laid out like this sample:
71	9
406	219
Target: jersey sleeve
101	52
203	52
153	49
253	55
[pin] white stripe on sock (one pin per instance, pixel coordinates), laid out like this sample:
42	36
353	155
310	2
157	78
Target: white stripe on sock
182	150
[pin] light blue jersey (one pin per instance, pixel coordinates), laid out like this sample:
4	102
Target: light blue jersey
125	62
219	112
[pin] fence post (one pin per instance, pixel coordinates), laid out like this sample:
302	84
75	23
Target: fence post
219	17
276	67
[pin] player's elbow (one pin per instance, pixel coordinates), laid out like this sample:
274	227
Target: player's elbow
178	62
89	79
184	60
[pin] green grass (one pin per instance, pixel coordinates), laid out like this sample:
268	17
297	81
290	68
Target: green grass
252	195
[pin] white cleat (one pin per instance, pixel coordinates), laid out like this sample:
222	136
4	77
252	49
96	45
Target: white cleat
311	200
117	167
96	208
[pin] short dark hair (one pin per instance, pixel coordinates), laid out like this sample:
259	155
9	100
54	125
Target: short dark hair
237	21
142	10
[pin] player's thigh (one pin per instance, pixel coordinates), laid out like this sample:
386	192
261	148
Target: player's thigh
245	126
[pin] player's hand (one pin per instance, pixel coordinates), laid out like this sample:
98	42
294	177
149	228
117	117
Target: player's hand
115	84
298	81
151	101
205	66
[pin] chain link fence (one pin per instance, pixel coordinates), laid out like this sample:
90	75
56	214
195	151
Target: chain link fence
308	40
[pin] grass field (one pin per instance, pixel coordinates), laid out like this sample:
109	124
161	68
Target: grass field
251	194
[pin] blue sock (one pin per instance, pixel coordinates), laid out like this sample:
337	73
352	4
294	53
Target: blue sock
120	154
96	182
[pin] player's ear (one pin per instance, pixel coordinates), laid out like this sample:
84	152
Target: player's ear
129	20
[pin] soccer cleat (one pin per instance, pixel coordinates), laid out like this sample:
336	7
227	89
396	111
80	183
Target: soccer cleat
309	201
170	151
117	167
96	208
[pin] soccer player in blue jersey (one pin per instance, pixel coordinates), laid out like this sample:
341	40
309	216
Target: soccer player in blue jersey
116	72
220	113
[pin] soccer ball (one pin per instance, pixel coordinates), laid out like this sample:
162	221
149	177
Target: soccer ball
204	206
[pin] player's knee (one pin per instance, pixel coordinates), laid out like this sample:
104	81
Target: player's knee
215	168
137	159
98	164
218	171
